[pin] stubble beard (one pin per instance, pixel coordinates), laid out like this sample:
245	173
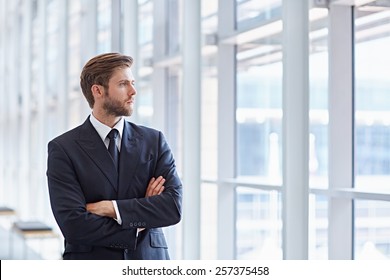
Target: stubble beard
116	108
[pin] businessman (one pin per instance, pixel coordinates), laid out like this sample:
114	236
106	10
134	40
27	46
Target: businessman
113	185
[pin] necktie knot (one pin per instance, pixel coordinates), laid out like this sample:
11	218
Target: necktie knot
113	134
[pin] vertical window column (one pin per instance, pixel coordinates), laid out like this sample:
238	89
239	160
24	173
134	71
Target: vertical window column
2	101
340	130
130	32
226	235
116	26
159	76
89	30
191	128
38	112
295	129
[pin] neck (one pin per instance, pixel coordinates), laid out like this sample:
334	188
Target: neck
109	120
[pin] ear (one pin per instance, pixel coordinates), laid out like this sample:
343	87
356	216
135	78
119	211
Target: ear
97	90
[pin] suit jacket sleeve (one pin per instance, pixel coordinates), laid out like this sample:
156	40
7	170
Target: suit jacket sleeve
160	210
69	207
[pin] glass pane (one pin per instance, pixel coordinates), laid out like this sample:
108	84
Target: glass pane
208	231
259	109
209	98
52	49
372	84
259	224
145	34
209	116
75	97
174	113
104	26
318	227
144	101
318	110
36	45
372	230
209	16
250	12
144	63
174	26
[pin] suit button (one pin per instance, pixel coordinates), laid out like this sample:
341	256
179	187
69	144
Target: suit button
143	224
139	224
131	224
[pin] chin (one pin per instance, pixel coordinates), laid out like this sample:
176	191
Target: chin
129	113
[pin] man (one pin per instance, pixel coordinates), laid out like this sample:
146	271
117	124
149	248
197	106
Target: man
112	184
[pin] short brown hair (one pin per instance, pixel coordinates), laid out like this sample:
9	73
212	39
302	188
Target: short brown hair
98	71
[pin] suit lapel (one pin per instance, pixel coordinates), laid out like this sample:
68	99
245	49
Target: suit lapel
129	155
93	145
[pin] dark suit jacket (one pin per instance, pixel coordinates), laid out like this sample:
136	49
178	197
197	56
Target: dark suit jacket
81	171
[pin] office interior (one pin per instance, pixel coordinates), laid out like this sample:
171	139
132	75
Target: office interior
277	113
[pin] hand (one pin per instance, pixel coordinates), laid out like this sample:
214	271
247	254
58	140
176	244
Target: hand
155	187
102	208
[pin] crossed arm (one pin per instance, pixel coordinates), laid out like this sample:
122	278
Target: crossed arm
106	207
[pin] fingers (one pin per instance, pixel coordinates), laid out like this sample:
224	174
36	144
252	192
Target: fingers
151	181
155	187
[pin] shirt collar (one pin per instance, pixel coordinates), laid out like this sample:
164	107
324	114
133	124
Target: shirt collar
103	129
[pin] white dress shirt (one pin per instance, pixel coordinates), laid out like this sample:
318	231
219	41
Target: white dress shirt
103	131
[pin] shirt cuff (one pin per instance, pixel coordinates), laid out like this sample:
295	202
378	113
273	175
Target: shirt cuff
118	216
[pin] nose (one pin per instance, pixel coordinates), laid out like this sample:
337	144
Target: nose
132	90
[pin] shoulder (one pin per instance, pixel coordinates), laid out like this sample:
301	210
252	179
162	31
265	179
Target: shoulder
143	130
73	133
149	136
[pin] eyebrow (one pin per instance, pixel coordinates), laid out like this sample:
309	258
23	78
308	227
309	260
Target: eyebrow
126	80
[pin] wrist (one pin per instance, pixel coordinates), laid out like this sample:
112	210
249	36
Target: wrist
110	210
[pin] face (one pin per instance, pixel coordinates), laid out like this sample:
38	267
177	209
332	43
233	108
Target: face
119	98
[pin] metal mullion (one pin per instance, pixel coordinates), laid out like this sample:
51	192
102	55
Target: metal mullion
340	217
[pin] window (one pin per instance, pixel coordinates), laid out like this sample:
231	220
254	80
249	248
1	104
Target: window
372	128
259	135
318	127
104	33
249	12
75	97
259	224
144	63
